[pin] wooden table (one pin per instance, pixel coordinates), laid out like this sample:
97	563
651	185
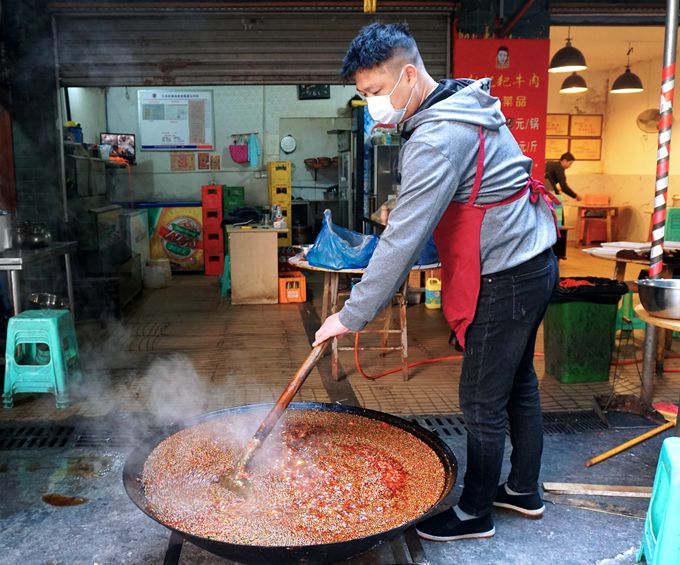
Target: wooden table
621	263
647	365
611	212
663	339
330	305
254	264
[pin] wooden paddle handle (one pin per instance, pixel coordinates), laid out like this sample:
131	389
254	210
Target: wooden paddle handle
639	439
291	390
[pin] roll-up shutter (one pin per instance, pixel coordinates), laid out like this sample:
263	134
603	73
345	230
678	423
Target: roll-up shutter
206	49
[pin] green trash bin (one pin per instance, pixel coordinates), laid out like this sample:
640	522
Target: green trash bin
579	329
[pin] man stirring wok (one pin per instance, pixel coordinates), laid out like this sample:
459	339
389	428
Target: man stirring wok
464	177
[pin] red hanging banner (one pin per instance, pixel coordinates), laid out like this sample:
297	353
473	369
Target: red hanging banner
518	69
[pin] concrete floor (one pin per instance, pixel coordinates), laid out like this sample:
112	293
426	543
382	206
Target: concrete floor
182	351
109	529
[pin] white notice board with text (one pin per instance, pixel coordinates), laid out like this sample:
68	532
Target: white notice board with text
179	120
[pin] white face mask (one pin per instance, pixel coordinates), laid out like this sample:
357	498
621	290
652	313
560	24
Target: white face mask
381	109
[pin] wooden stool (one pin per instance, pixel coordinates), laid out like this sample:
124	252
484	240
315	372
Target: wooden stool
331	306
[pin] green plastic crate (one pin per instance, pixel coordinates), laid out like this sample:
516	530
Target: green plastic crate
672	224
578	341
232	197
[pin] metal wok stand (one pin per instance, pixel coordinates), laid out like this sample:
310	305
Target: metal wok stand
406	550
175	545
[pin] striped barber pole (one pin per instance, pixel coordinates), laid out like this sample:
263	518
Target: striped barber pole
662	162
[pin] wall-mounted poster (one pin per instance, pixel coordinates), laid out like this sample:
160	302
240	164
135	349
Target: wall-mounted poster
557	124
182	161
586	125
175	120
555	147
203	161
586	149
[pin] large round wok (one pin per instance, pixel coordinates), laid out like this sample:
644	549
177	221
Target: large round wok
254	554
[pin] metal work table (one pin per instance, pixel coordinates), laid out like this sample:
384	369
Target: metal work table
15	260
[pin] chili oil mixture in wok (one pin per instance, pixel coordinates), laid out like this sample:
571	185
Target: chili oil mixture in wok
320	477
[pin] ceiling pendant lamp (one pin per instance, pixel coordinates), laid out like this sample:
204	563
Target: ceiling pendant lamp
574	84
627	82
568	59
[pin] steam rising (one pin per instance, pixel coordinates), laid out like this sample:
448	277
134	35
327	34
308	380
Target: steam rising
174	389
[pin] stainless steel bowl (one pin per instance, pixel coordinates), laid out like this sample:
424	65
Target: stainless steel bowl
661	297
48	300
304	248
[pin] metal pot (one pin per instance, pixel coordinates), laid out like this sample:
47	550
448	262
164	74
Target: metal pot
28	235
308	554
660	297
48	300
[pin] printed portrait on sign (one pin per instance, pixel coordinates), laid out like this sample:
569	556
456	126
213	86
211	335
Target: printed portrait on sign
502	58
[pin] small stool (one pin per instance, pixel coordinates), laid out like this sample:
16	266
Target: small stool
626	310
385	332
41	355
661	538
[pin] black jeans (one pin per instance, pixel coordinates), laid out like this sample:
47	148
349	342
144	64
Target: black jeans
499	384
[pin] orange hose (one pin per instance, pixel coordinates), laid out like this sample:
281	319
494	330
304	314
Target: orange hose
415	364
622	362
397	369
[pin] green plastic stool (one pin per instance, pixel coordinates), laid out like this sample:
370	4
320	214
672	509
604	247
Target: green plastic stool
41	355
661	538
626	309
225	279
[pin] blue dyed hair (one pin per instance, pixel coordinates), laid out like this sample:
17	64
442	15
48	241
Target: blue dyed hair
377	43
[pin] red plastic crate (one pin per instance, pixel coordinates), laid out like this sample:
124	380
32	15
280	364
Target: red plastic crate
211	196
213	241
214	263
212	219
212	215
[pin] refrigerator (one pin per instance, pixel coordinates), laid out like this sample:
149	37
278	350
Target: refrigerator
385	173
135	225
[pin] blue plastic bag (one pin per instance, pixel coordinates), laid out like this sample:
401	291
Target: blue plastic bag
339	248
429	254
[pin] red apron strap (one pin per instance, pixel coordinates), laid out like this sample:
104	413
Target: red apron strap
479	173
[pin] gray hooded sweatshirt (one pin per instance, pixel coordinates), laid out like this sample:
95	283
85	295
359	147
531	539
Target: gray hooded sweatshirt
437	165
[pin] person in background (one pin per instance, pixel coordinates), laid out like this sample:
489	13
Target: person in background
463	177
555	175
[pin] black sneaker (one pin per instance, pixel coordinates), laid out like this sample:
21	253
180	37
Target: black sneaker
448	527
530	505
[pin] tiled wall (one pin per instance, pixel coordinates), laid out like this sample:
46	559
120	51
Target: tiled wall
237	109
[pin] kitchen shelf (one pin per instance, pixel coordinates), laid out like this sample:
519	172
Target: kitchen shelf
97	160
